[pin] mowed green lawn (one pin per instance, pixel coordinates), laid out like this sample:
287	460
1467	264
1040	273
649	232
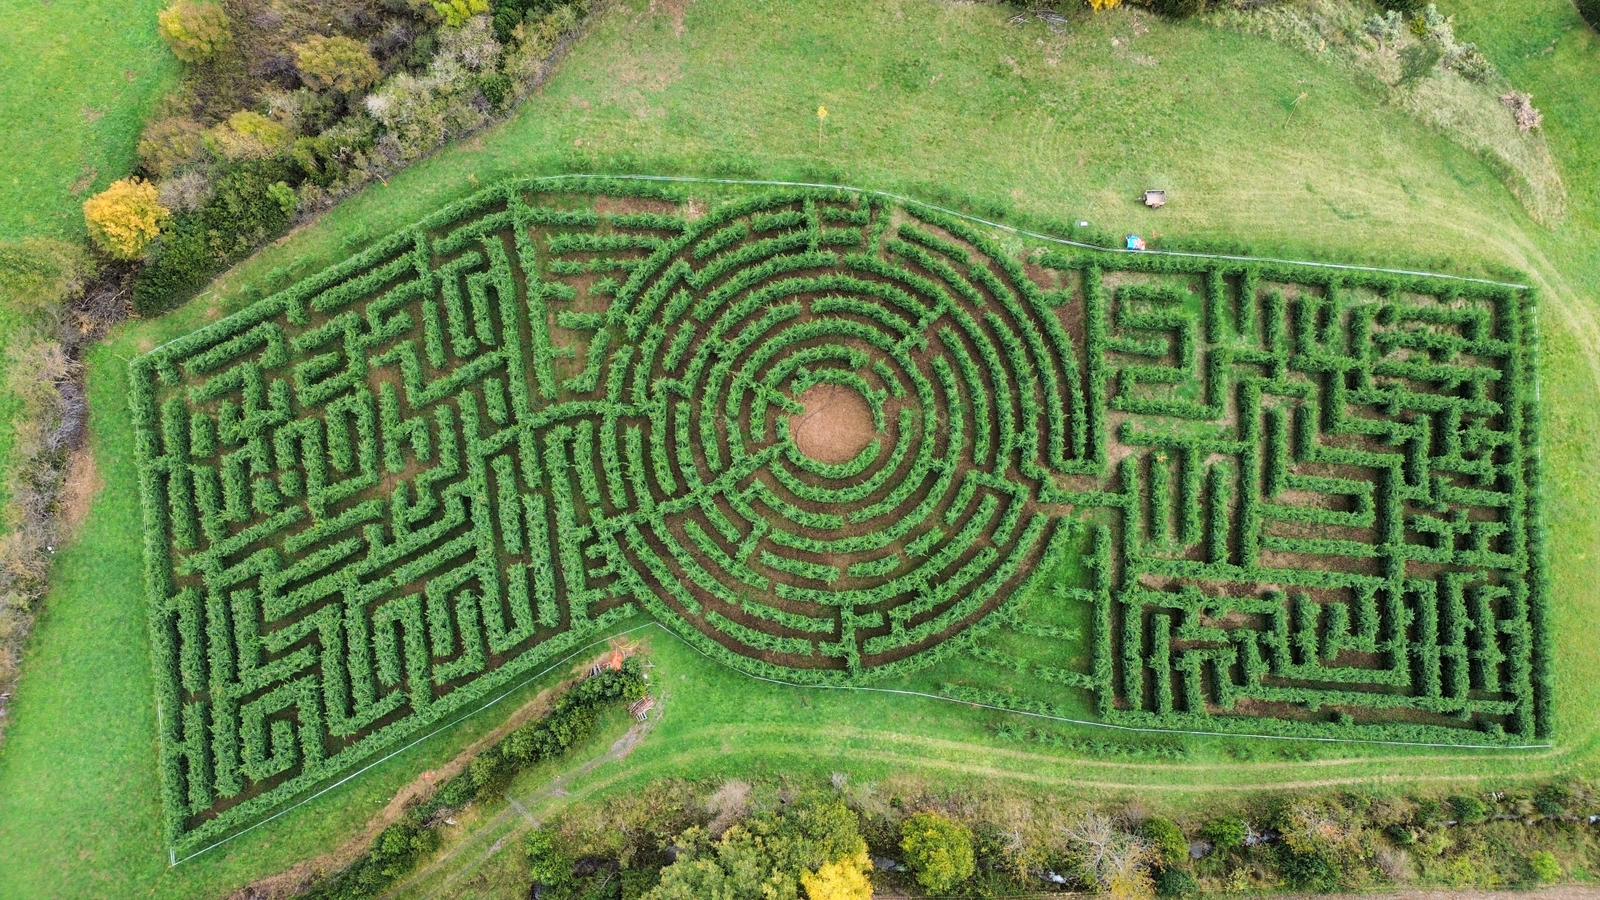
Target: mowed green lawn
80	80
1256	143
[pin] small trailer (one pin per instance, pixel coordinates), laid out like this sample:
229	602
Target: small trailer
1155	199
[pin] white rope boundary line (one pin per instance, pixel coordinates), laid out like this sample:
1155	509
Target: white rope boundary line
174	859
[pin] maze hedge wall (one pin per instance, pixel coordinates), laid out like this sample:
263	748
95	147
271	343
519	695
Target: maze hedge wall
1307	495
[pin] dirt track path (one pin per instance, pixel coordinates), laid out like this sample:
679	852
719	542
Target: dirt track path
513	821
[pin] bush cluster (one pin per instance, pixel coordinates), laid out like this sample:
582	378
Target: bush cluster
124	218
329	99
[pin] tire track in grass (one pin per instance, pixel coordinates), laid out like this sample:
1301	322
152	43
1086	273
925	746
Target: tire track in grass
520	813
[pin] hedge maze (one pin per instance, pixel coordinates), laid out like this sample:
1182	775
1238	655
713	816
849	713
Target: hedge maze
827	437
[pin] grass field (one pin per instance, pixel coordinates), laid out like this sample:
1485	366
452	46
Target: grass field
81	79
921	95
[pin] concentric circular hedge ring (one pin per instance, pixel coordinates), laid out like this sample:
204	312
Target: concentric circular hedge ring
791	561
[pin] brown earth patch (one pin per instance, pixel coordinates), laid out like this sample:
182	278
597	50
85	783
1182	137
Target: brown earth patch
83	483
835	426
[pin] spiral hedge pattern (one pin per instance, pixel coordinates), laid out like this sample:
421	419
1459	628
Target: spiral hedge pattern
1305	499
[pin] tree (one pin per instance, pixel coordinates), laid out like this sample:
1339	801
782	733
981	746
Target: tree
196	32
248	135
842	879
457	12
938	850
768	856
171	143
124	218
339	64
1168	840
1226	834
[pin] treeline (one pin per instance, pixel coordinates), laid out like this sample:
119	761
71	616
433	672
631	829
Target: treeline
779	839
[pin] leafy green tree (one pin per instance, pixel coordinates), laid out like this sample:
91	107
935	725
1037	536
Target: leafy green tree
938	850
767	856
339	64
1168	840
1226	834
196	32
547	865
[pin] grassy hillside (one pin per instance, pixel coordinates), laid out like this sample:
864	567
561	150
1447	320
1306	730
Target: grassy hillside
1255	142
81	78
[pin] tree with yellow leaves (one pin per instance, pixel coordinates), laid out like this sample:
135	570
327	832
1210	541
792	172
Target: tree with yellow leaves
196	32
124	218
843	879
1103	5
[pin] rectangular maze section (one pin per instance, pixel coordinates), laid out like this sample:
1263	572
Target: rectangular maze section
1322	512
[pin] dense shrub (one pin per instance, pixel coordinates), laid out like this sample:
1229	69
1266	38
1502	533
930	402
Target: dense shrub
1176	881
340	64
1469	810
1544	867
171	143
248	205
1226	834
547	865
938	850
124	218
196	31
508	14
247	135
841	879
1168	840
456	12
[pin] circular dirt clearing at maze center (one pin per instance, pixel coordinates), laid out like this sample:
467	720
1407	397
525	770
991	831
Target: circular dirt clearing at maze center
835	426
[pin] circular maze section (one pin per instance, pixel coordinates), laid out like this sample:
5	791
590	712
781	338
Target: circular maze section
839	414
